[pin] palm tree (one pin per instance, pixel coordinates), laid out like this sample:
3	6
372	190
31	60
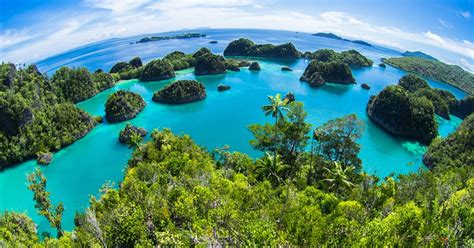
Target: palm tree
270	167
135	141
275	108
339	177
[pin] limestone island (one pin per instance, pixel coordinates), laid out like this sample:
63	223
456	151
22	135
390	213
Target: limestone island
174	37
365	86
208	63
128	70
403	114
157	70
383	65
286	68
350	57
123	105
181	91
223	87
44	158
180	60
125	136
246	47
254	66
316	73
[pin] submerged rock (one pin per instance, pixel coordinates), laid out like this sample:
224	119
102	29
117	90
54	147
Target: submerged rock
254	66
181	91
123	105
286	68
157	70
126	133
223	87
403	114
365	86
44	158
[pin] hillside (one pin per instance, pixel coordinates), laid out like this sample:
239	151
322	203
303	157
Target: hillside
450	74
418	54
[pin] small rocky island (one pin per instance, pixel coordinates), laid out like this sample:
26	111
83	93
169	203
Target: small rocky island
173	37
123	105
383	65
286	68
316	73
223	87
180	60
181	91
246	47
403	114
44	158
157	70
365	86
125	136
254	66
208	63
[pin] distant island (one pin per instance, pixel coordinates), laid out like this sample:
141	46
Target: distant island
335	37
450	74
174	37
418	54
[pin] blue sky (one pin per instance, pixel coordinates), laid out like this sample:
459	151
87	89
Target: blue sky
31	30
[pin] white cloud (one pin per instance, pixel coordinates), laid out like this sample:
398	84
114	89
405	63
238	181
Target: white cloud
11	37
466	14
466	65
436	38
444	24
116	5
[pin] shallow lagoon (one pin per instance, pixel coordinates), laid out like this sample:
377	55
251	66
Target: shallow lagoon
221	119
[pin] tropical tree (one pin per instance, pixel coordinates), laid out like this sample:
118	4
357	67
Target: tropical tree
276	108
54	214
339	177
271	168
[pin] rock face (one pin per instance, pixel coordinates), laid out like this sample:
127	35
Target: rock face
365	86
44	158
157	70
246	47
456	150
9	77
334	72
123	105
403	114
135	62
232	67
223	87
254	66
286	68
208	63
181	91
119	67
128	131
464	107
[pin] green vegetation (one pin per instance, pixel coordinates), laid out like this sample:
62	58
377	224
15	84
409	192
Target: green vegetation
180	36
208	63
463	107
450	74
419	55
454	151
179	60
350	57
405	114
130	70
157	70
181	91
123	105
129	132
246	47
176	193
36	115
316	73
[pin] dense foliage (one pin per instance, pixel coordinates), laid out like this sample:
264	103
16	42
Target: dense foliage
463	107
123	105
36	115
129	132
418	54
79	84
457	150
179	60
130	70
157	70
403	113
208	63
181	91
316	73
451	74
176	193
246	47
350	57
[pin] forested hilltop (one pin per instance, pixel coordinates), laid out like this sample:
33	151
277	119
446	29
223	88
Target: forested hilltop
176	193
37	114
450	74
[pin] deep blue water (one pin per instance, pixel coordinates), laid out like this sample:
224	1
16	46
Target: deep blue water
79	170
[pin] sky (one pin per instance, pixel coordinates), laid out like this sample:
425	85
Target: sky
31	30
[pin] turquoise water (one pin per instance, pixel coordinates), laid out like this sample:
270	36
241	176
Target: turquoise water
79	170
